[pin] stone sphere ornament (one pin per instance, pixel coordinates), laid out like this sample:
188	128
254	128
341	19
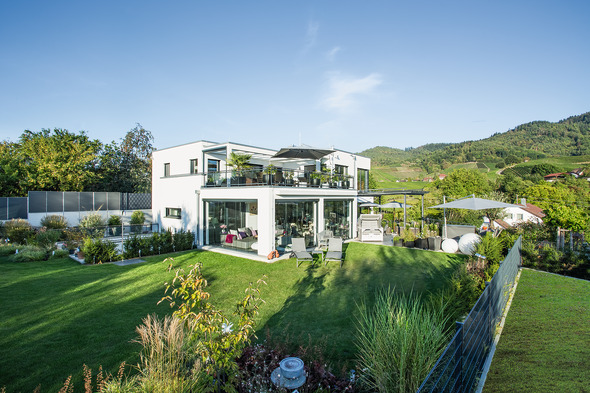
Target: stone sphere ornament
450	246
468	243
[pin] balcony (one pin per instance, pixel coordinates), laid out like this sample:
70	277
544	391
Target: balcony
277	177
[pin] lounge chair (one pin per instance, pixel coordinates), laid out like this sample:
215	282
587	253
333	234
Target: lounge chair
298	247
334	253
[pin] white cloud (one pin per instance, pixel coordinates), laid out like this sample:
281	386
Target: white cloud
343	91
312	33
332	53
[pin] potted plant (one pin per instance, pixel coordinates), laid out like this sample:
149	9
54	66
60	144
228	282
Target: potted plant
289	179
240	163
114	224
408	237
315	179
397	241
345	182
269	174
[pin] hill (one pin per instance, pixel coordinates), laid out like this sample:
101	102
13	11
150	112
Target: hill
534	140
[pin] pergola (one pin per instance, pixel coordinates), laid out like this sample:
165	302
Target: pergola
378	193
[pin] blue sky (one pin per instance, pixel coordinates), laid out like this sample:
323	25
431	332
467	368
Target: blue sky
274	73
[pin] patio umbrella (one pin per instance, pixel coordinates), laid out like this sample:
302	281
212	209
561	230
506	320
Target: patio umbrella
302	152
393	205
369	204
471	203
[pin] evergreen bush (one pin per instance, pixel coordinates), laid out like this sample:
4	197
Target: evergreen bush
99	250
54	221
18	230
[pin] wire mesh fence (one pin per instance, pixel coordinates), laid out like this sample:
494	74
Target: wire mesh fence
459	367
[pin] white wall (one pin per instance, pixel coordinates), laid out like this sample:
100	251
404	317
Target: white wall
513	212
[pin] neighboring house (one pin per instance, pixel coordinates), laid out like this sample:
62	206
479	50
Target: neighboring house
524	212
442	176
553	176
259	209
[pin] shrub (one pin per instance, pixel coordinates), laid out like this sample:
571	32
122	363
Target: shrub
47	238
99	250
92	220
59	254
500	164
115	220
490	247
74	237
54	221
29	254
183	240
163	242
137	220
216	342
18	230
7	250
133	245
399	340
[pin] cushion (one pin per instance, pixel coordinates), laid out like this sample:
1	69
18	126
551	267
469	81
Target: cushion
233	232
254	232
248	232
242	230
242	235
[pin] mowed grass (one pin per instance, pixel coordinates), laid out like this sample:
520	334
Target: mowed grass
57	315
545	344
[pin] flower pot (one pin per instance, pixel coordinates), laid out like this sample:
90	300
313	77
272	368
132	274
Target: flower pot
409	244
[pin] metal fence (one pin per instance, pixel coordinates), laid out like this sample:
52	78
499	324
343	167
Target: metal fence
13	207
460	366
57	202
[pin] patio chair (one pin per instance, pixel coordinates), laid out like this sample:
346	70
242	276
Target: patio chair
298	247
323	238
334	253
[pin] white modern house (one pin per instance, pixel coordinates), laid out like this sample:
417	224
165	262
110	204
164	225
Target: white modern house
297	192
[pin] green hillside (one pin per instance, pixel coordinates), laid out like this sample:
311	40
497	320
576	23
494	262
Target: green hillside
530	142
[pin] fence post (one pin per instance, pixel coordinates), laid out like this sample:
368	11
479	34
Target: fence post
490	319
459	355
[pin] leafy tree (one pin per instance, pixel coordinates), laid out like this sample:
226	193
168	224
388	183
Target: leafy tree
127	167
462	182
11	171
57	160
567	217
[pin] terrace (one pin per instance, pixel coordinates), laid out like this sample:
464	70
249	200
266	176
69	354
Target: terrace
277	177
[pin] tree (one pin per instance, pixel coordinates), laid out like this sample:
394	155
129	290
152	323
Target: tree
567	217
127	167
462	182
55	160
11	171
239	162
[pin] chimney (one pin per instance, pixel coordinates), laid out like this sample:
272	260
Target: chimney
523	201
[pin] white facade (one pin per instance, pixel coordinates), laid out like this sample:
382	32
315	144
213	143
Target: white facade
182	199
518	215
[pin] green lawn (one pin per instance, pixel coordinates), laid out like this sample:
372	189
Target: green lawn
545	344
57	315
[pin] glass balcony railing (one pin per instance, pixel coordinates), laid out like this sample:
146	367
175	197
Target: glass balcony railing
277	177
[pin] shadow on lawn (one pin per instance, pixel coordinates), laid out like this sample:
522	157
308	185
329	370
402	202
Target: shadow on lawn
323	309
104	305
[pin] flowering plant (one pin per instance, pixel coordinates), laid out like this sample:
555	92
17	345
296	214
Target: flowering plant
223	228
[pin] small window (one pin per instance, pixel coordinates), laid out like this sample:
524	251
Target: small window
519	217
167	169
194	166
173	212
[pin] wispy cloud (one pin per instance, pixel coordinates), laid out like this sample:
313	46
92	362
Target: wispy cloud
344	91
332	53
311	35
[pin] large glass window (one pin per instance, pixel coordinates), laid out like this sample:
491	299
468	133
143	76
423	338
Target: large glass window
295	219
337	217
362	179
230	218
